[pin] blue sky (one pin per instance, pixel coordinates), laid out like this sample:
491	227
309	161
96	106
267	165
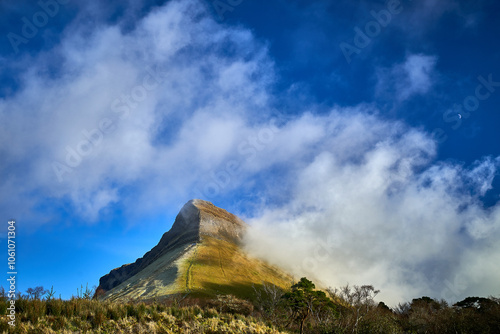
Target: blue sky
368	129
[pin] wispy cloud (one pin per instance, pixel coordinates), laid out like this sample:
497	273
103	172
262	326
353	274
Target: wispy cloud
415	76
168	98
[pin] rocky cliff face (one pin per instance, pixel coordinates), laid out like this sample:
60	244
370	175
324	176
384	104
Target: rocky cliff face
197	220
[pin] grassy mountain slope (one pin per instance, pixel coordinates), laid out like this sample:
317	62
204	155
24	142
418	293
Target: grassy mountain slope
220	267
205	269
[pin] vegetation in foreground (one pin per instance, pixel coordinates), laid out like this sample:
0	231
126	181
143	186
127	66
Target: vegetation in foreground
300	309
85	315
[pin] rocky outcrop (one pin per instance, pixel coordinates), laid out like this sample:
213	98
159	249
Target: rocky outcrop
196	220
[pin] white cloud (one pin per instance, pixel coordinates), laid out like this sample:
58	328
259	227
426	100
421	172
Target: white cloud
383	213
170	76
415	76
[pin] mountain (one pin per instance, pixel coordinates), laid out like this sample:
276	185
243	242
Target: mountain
201	256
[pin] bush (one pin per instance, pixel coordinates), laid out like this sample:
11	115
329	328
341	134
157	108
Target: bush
210	313
57	323
231	304
99	318
115	312
131	311
3	307
36	309
141	311
54	307
4	325
229	314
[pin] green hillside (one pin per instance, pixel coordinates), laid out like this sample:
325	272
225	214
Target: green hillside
220	267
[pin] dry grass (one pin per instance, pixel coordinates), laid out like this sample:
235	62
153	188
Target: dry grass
207	269
219	267
92	316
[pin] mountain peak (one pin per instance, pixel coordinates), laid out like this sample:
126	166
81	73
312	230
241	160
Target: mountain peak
197	219
216	222
201	256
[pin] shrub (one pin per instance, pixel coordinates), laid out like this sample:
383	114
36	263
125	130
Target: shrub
115	312
99	318
131	310
3	306
35	310
141	311
4	325
231	304
54	307
210	313
57	323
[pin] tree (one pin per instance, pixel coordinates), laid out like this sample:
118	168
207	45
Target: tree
49	294
360	300
480	312
478	303
268	299
36	293
382	306
87	293
303	301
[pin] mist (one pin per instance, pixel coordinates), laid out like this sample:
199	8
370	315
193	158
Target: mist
372	206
